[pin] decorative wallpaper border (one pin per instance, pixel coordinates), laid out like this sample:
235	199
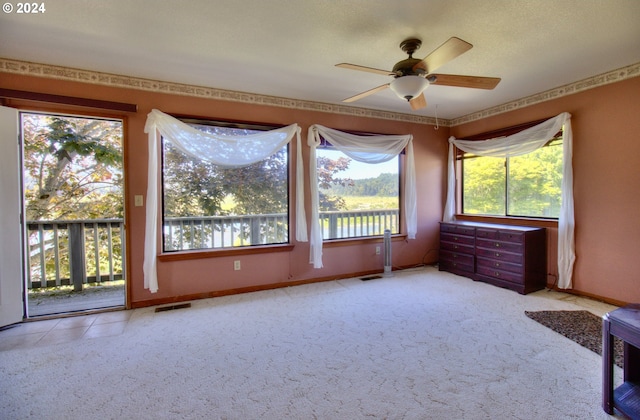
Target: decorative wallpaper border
76	75
92	77
575	87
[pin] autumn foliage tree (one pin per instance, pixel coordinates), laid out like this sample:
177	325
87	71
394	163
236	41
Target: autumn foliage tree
327	179
73	167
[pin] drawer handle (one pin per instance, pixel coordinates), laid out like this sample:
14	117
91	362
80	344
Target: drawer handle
455	238
497	245
497	274
455	247
497	254
497	264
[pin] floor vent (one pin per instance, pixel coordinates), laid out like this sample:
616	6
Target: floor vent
370	278
172	307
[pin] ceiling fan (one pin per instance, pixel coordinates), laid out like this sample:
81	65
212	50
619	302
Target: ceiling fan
412	76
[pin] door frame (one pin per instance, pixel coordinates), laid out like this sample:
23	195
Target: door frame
87	114
12	298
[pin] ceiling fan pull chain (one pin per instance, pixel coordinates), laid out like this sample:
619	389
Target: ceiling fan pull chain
437	125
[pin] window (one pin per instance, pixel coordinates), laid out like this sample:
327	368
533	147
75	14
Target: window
523	186
207	206
357	199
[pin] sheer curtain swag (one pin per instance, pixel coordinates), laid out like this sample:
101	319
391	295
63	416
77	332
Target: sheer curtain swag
225	151
523	142
368	149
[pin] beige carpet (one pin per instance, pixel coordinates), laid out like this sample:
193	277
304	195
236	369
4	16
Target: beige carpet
418	345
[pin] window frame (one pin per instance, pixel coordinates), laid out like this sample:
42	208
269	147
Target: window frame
462	156
325	144
198	253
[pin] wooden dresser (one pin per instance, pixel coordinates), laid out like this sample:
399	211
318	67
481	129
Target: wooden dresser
513	257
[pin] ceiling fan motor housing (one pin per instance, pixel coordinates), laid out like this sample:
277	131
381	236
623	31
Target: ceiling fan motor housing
405	68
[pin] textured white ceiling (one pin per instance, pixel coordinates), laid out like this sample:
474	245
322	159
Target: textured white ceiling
289	48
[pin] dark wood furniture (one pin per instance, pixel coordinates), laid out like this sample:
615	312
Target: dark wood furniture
514	257
623	323
458	249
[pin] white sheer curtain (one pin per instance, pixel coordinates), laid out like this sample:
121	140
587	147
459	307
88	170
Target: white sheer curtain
369	149
225	151
521	143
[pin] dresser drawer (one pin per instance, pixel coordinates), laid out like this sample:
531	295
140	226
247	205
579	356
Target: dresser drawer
456	257
500	235
499	254
460	230
456	268
499	245
458	239
500	265
460	248
511	236
482	233
500	274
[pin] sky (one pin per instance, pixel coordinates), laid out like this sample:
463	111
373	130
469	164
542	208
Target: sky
359	170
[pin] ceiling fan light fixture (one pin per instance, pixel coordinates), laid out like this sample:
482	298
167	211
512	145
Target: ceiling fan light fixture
408	87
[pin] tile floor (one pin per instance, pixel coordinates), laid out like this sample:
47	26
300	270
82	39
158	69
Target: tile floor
59	330
53	331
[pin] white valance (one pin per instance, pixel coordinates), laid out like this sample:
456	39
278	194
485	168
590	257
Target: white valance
368	149
523	142
225	151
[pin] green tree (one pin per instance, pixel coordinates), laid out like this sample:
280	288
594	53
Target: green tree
535	182
261	188
484	185
384	185
192	187
527	185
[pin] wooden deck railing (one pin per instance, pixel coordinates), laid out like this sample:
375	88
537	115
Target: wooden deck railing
74	252
77	252
355	223
182	233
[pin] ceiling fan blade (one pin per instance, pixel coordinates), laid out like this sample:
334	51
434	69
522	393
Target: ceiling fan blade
363	68
418	102
446	52
366	93
464	81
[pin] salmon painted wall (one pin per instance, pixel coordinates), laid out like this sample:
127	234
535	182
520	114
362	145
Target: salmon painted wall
606	148
214	274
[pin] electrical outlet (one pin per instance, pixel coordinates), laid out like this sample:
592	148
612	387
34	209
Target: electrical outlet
377	250
236	265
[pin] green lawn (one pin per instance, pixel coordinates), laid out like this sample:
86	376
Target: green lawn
370	203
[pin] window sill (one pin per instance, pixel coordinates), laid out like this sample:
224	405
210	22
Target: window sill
331	243
215	253
509	220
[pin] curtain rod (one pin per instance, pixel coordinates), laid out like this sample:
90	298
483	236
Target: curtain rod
67	100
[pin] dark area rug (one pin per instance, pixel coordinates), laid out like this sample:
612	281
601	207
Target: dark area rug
583	327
